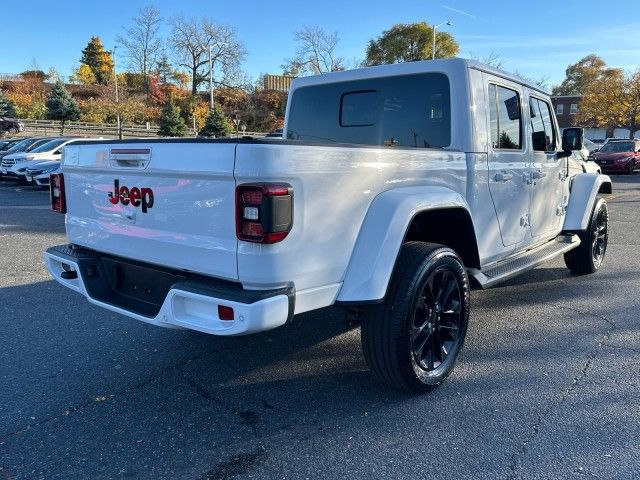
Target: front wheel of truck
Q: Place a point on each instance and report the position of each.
(412, 339)
(588, 256)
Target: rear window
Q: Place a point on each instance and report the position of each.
(407, 111)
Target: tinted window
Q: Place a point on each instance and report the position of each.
(542, 130)
(405, 111)
(504, 118)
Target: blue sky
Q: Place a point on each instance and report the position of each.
(537, 42)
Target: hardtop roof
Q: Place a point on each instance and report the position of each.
(421, 66)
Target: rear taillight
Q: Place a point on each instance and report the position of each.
(56, 192)
(264, 212)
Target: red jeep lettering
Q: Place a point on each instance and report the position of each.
(135, 196)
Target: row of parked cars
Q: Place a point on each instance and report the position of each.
(32, 159)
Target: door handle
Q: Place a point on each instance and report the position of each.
(137, 158)
(502, 177)
(537, 174)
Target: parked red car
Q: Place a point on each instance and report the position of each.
(619, 156)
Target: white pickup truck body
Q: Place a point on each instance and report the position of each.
(353, 205)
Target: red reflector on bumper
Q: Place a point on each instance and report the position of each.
(225, 313)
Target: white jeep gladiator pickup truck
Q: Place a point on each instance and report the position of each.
(393, 189)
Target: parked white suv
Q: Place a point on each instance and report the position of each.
(16, 164)
(393, 189)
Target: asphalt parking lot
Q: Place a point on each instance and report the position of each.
(547, 385)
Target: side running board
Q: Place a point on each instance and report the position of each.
(506, 269)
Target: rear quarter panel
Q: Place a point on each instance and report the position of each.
(333, 190)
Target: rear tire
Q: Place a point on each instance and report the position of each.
(588, 256)
(13, 130)
(412, 340)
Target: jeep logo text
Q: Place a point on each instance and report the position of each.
(135, 196)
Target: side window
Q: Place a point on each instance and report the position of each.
(504, 118)
(543, 136)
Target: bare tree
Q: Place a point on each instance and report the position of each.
(542, 82)
(316, 53)
(191, 40)
(142, 42)
(493, 59)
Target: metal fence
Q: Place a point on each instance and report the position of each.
(52, 127)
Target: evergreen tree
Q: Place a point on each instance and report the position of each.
(99, 60)
(171, 123)
(7, 108)
(163, 68)
(216, 125)
(61, 106)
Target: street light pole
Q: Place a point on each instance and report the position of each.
(216, 44)
(115, 75)
(211, 76)
(433, 46)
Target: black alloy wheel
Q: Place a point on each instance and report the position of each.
(437, 321)
(589, 255)
(600, 236)
(412, 339)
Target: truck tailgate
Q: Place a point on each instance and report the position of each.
(174, 205)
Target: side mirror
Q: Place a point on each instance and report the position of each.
(572, 139)
(595, 150)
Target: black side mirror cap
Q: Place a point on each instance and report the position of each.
(572, 139)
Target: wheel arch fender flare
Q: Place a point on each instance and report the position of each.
(585, 187)
(382, 233)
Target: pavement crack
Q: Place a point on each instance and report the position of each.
(621, 347)
(611, 323)
(102, 398)
(203, 392)
(240, 464)
(562, 397)
(248, 417)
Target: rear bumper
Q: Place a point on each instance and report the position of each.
(190, 302)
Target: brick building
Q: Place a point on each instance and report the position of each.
(567, 106)
(280, 83)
